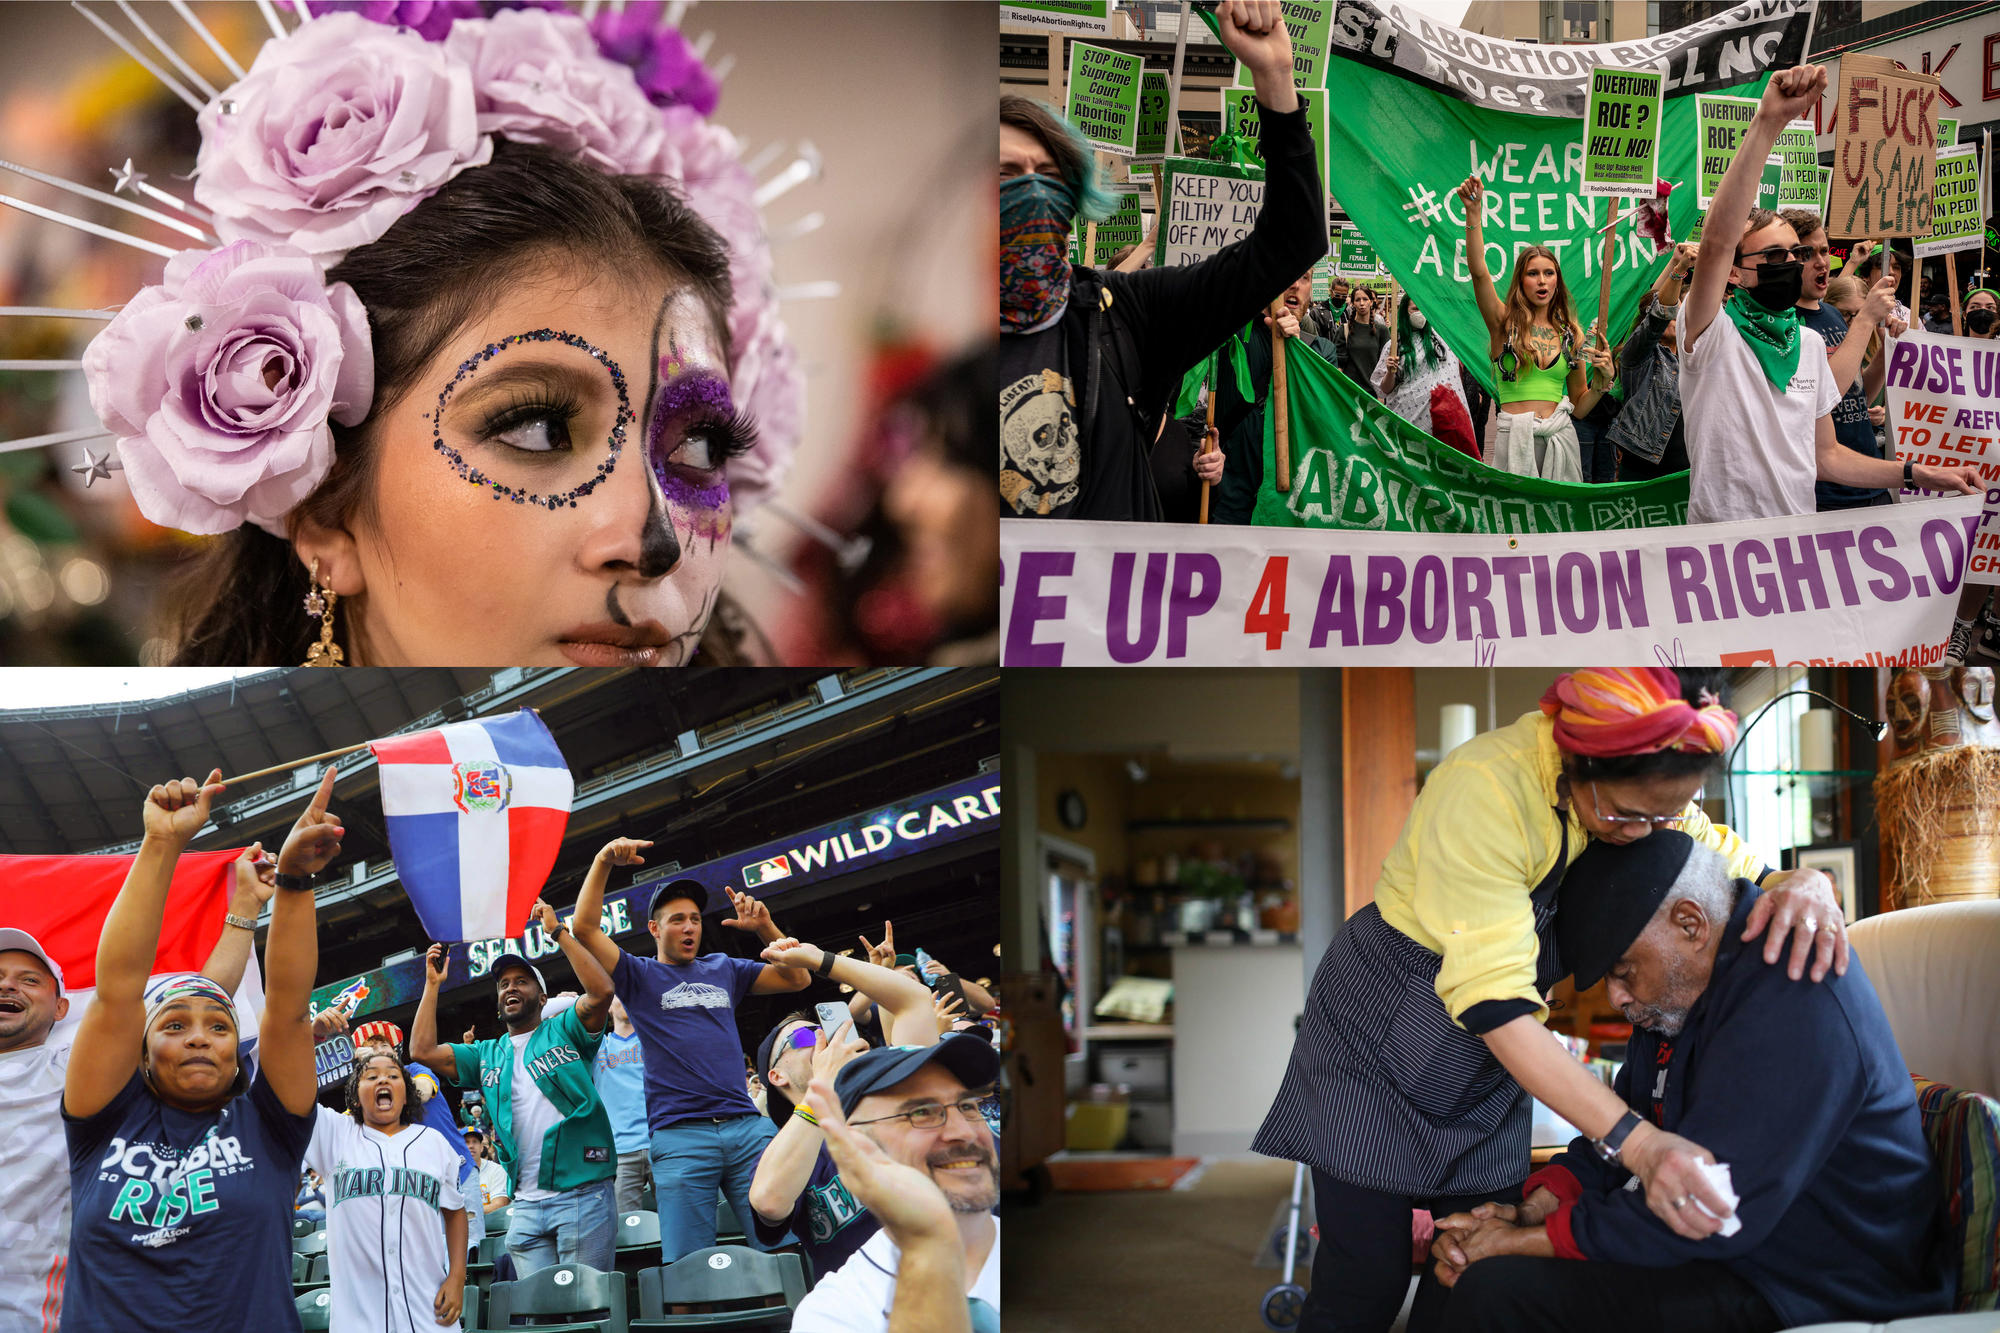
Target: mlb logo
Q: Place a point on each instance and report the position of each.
(778, 867)
(480, 786)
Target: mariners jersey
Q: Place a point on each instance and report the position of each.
(385, 1195)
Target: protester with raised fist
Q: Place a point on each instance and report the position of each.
(1090, 359)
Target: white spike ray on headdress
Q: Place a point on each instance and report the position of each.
(59, 437)
(184, 228)
(271, 17)
(55, 312)
(791, 231)
(187, 71)
(207, 37)
(850, 552)
(119, 40)
(809, 291)
(701, 44)
(786, 579)
(723, 66)
(130, 177)
(764, 156)
(589, 10)
(305, 14)
(165, 252)
(676, 11)
(805, 167)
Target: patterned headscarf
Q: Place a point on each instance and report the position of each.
(186, 986)
(1634, 710)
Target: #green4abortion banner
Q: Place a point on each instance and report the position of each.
(1355, 464)
(1421, 105)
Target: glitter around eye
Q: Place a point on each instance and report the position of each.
(566, 499)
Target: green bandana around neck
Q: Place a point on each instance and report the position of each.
(1773, 337)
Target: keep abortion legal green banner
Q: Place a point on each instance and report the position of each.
(1421, 106)
(1356, 464)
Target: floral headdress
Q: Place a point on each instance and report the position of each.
(219, 383)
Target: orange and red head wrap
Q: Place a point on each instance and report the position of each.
(1603, 711)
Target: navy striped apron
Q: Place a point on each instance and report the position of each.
(1383, 1090)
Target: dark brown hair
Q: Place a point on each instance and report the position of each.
(241, 602)
(1804, 221)
(413, 1105)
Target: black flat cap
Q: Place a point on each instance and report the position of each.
(1608, 896)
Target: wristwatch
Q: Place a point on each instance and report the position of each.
(1611, 1144)
(240, 922)
(1909, 472)
(825, 968)
(294, 883)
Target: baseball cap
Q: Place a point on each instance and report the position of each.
(777, 1102)
(974, 1062)
(678, 888)
(12, 939)
(507, 960)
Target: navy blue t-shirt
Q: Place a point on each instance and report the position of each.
(1850, 418)
(830, 1225)
(180, 1220)
(686, 1019)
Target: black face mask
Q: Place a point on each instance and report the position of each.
(1981, 321)
(1778, 285)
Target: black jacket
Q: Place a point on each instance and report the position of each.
(1132, 336)
(1240, 425)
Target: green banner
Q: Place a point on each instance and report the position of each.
(1309, 22)
(1956, 220)
(1151, 143)
(1719, 126)
(1798, 186)
(1354, 257)
(1355, 464)
(1621, 133)
(1104, 96)
(1769, 182)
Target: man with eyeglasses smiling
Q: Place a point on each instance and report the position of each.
(907, 1127)
(1757, 386)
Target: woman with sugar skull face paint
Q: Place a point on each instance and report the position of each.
(484, 372)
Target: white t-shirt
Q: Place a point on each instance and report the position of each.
(492, 1181)
(34, 1186)
(858, 1296)
(1751, 450)
(385, 1238)
(534, 1116)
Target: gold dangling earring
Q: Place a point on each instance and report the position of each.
(319, 602)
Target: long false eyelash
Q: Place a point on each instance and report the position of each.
(734, 436)
(523, 408)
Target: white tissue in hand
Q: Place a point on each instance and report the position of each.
(1717, 1175)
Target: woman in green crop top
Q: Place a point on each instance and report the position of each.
(1534, 342)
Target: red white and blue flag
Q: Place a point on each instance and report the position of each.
(476, 813)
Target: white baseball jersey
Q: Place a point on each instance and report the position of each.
(385, 1238)
(34, 1205)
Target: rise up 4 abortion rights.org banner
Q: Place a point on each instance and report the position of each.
(1944, 407)
(1879, 583)
(1512, 113)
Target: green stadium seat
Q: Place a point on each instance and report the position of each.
(316, 1310)
(725, 1287)
(583, 1299)
(313, 1242)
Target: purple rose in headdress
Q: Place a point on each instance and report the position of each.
(432, 19)
(220, 381)
(668, 70)
(337, 131)
(538, 78)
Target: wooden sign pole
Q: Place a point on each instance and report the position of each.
(1603, 327)
(1951, 285)
(1278, 398)
(1208, 435)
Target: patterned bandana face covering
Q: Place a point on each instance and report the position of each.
(1035, 217)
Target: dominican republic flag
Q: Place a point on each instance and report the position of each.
(476, 813)
(62, 901)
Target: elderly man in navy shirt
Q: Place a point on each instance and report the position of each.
(1798, 1088)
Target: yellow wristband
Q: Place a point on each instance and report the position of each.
(804, 1112)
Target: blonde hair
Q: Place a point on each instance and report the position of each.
(1520, 315)
(1846, 287)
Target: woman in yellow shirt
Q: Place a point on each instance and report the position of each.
(1422, 1041)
